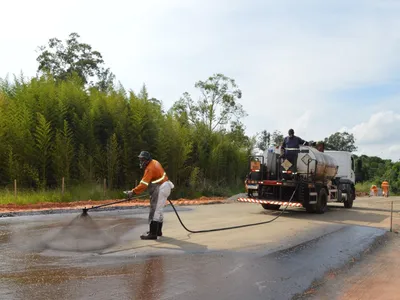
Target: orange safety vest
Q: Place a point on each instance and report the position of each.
(154, 173)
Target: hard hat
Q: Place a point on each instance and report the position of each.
(144, 159)
(144, 154)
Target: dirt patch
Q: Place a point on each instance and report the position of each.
(375, 276)
(9, 208)
(379, 278)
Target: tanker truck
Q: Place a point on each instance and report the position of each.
(311, 181)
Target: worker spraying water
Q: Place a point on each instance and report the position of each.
(156, 180)
(83, 234)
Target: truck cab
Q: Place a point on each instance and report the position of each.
(345, 178)
(346, 163)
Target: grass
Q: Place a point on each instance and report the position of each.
(95, 192)
(363, 186)
(86, 192)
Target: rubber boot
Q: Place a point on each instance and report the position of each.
(152, 234)
(159, 232)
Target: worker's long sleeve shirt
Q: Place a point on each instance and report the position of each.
(293, 142)
(154, 173)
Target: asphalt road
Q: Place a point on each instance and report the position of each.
(279, 260)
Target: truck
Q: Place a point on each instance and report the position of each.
(311, 180)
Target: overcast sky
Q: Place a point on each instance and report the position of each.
(315, 66)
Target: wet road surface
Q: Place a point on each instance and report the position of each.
(273, 261)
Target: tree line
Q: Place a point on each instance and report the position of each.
(71, 120)
(52, 129)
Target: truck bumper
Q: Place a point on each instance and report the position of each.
(258, 201)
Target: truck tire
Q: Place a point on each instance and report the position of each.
(270, 206)
(349, 201)
(322, 201)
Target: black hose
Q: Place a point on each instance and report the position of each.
(200, 231)
(232, 227)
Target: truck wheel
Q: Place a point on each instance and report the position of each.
(322, 202)
(349, 202)
(270, 206)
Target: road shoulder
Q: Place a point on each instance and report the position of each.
(374, 275)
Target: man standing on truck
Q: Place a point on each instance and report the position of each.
(291, 146)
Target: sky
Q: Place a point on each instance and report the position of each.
(315, 66)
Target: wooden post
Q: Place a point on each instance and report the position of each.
(15, 188)
(391, 217)
(104, 188)
(62, 186)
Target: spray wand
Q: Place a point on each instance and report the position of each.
(85, 210)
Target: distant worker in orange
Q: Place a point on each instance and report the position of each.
(385, 188)
(374, 190)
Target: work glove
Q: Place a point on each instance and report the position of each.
(129, 194)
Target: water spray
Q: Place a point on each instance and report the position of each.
(83, 234)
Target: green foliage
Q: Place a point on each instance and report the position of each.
(43, 145)
(54, 128)
(218, 103)
(113, 154)
(264, 140)
(277, 138)
(340, 141)
(375, 170)
(194, 179)
(63, 152)
(74, 57)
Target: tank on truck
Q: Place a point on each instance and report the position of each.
(308, 168)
